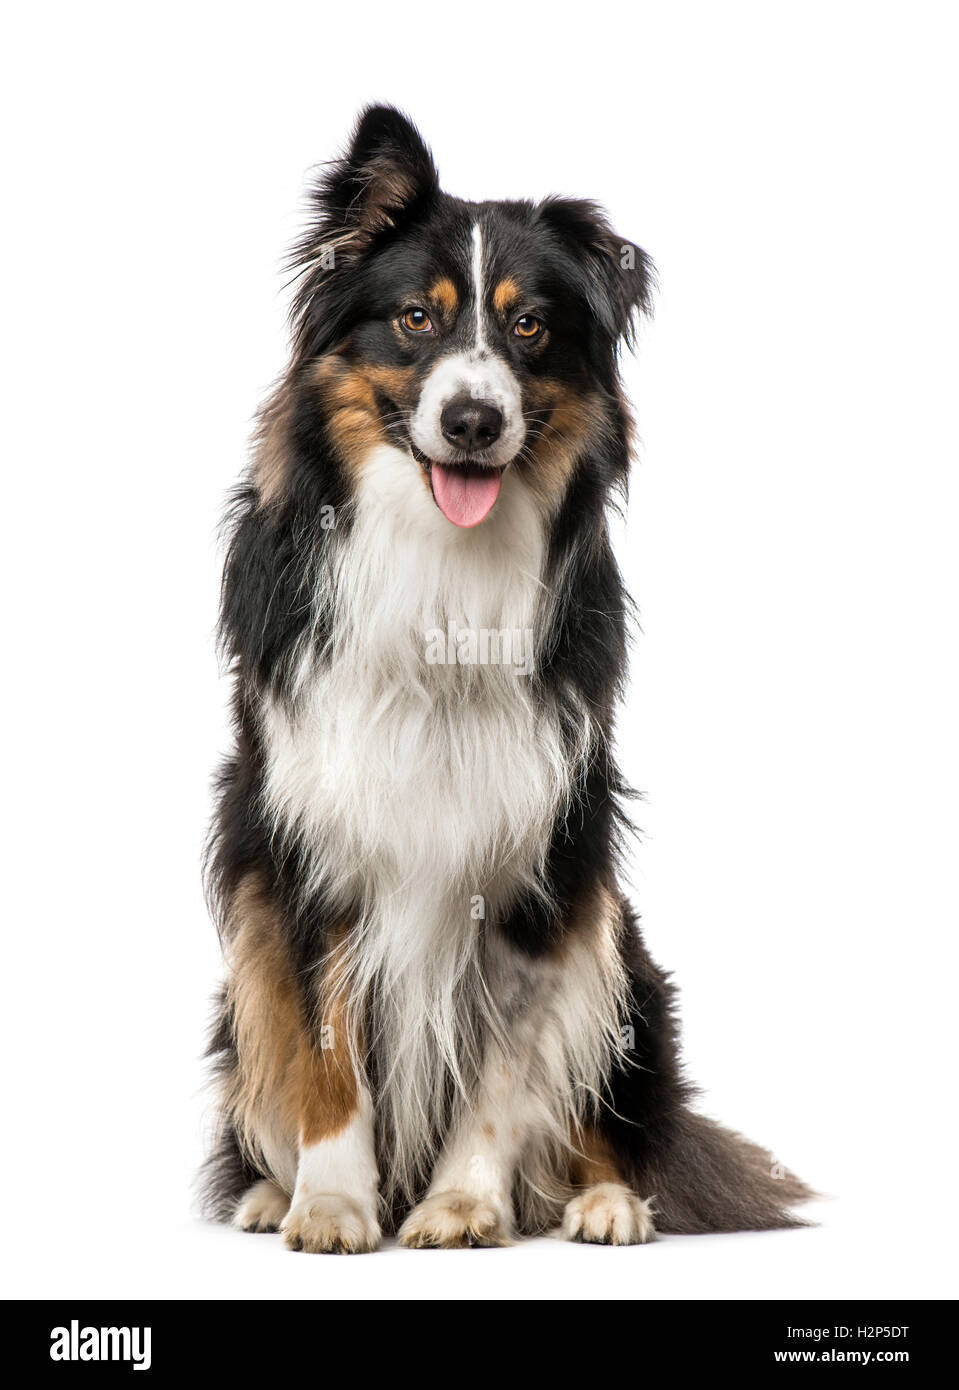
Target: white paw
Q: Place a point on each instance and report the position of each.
(263, 1208)
(608, 1214)
(330, 1224)
(451, 1220)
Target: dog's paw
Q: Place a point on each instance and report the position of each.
(262, 1208)
(330, 1224)
(452, 1221)
(608, 1214)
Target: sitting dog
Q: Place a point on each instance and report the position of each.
(440, 1017)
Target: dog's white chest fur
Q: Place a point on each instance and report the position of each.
(405, 775)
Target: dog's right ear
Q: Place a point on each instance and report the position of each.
(386, 176)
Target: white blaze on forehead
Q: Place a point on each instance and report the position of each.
(478, 286)
(479, 373)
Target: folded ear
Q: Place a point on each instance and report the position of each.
(618, 278)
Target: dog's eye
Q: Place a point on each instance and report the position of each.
(527, 326)
(417, 321)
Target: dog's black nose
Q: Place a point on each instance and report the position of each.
(469, 424)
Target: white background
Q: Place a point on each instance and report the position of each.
(791, 541)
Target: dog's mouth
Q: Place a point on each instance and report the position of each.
(464, 492)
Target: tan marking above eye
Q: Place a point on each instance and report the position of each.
(445, 295)
(506, 296)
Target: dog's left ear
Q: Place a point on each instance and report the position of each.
(619, 278)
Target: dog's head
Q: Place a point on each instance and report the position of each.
(476, 337)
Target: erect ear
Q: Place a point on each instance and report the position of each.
(618, 278)
(385, 175)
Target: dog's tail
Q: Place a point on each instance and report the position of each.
(708, 1178)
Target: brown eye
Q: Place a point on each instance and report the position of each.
(417, 321)
(527, 326)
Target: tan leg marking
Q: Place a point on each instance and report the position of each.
(283, 1083)
(298, 1105)
(592, 1159)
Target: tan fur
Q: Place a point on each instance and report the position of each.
(331, 1093)
(592, 1160)
(444, 293)
(271, 449)
(348, 391)
(352, 417)
(284, 1088)
(506, 296)
(389, 188)
(574, 418)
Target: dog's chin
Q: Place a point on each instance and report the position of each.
(465, 491)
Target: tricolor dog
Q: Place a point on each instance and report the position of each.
(439, 1017)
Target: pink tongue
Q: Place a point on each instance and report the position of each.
(465, 495)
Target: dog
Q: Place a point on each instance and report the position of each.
(439, 1017)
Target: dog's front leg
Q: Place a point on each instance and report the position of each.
(334, 1205)
(297, 1093)
(469, 1201)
